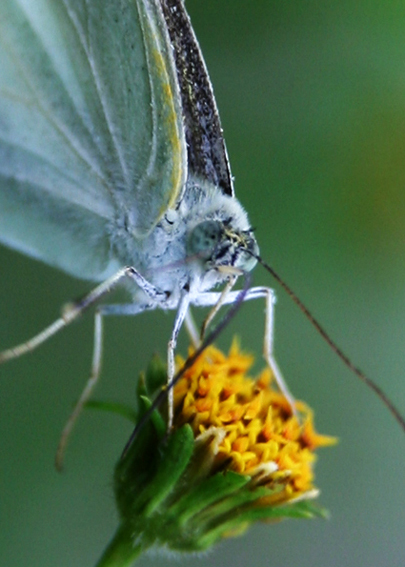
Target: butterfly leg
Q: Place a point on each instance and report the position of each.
(213, 298)
(85, 395)
(195, 336)
(126, 309)
(178, 322)
(70, 313)
(73, 310)
(104, 310)
(268, 350)
(192, 330)
(217, 305)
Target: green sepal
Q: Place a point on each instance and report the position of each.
(305, 509)
(221, 510)
(141, 386)
(175, 457)
(206, 493)
(239, 520)
(155, 417)
(139, 464)
(224, 516)
(257, 512)
(156, 375)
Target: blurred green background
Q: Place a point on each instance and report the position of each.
(312, 101)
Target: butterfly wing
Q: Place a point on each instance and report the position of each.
(206, 150)
(91, 134)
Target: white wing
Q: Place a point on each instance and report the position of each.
(91, 134)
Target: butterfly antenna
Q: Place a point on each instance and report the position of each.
(209, 339)
(345, 359)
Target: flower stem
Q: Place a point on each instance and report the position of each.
(121, 551)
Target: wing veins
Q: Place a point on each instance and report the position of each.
(86, 48)
(40, 159)
(48, 115)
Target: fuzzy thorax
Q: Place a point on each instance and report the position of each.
(205, 231)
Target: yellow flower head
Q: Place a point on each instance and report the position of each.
(250, 423)
(236, 455)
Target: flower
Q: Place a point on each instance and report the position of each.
(254, 430)
(236, 454)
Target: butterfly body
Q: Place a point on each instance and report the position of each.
(106, 157)
(178, 254)
(113, 165)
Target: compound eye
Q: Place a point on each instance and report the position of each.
(204, 238)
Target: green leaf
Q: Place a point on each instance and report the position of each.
(113, 407)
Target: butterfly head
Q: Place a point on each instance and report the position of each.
(218, 243)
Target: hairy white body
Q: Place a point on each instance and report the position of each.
(113, 166)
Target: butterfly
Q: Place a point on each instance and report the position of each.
(113, 165)
(113, 168)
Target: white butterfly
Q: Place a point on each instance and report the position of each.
(112, 162)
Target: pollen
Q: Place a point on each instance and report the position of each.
(259, 435)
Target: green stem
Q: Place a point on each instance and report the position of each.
(121, 551)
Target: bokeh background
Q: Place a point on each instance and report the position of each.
(312, 101)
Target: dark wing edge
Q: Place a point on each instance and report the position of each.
(206, 150)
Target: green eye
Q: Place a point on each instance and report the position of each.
(204, 237)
